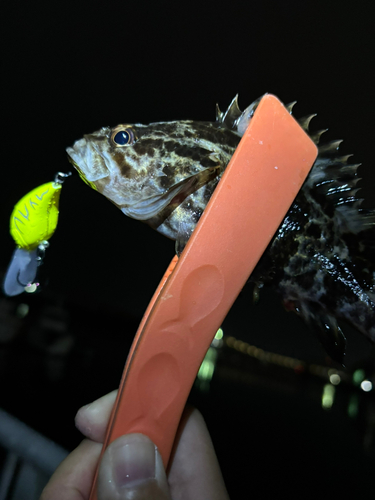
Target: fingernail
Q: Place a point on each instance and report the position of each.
(133, 462)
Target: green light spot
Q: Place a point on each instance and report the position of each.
(358, 376)
(219, 334)
(328, 396)
(22, 310)
(206, 370)
(207, 367)
(353, 406)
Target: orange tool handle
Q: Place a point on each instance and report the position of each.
(259, 185)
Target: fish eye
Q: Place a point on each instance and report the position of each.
(123, 136)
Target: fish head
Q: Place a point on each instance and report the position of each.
(142, 168)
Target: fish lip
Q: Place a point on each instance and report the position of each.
(77, 157)
(73, 157)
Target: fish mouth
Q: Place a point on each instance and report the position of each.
(81, 174)
(88, 161)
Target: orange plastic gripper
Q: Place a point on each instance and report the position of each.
(260, 183)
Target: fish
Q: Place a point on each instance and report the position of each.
(320, 260)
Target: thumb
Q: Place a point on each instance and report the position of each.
(132, 469)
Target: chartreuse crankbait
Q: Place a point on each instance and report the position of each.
(32, 223)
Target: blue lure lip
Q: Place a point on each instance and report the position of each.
(21, 272)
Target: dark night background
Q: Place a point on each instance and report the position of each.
(68, 70)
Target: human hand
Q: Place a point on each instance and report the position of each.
(132, 468)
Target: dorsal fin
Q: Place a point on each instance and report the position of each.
(332, 181)
(305, 121)
(231, 114)
(332, 178)
(315, 136)
(290, 106)
(234, 118)
(219, 114)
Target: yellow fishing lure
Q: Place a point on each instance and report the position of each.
(32, 223)
(35, 216)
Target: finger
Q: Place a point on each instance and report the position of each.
(73, 478)
(195, 472)
(92, 419)
(132, 469)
